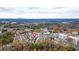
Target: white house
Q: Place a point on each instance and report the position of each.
(75, 40)
(0, 32)
(62, 36)
(75, 33)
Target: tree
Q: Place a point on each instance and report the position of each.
(18, 45)
(69, 47)
(6, 38)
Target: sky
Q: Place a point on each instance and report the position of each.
(39, 9)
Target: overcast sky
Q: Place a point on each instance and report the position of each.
(39, 9)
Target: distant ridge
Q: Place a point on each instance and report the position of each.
(21, 20)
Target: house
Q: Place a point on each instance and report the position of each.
(0, 32)
(45, 31)
(62, 36)
(74, 33)
(74, 40)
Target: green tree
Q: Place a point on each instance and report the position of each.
(6, 38)
(70, 47)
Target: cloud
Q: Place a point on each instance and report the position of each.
(39, 12)
(39, 3)
(31, 8)
(6, 10)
